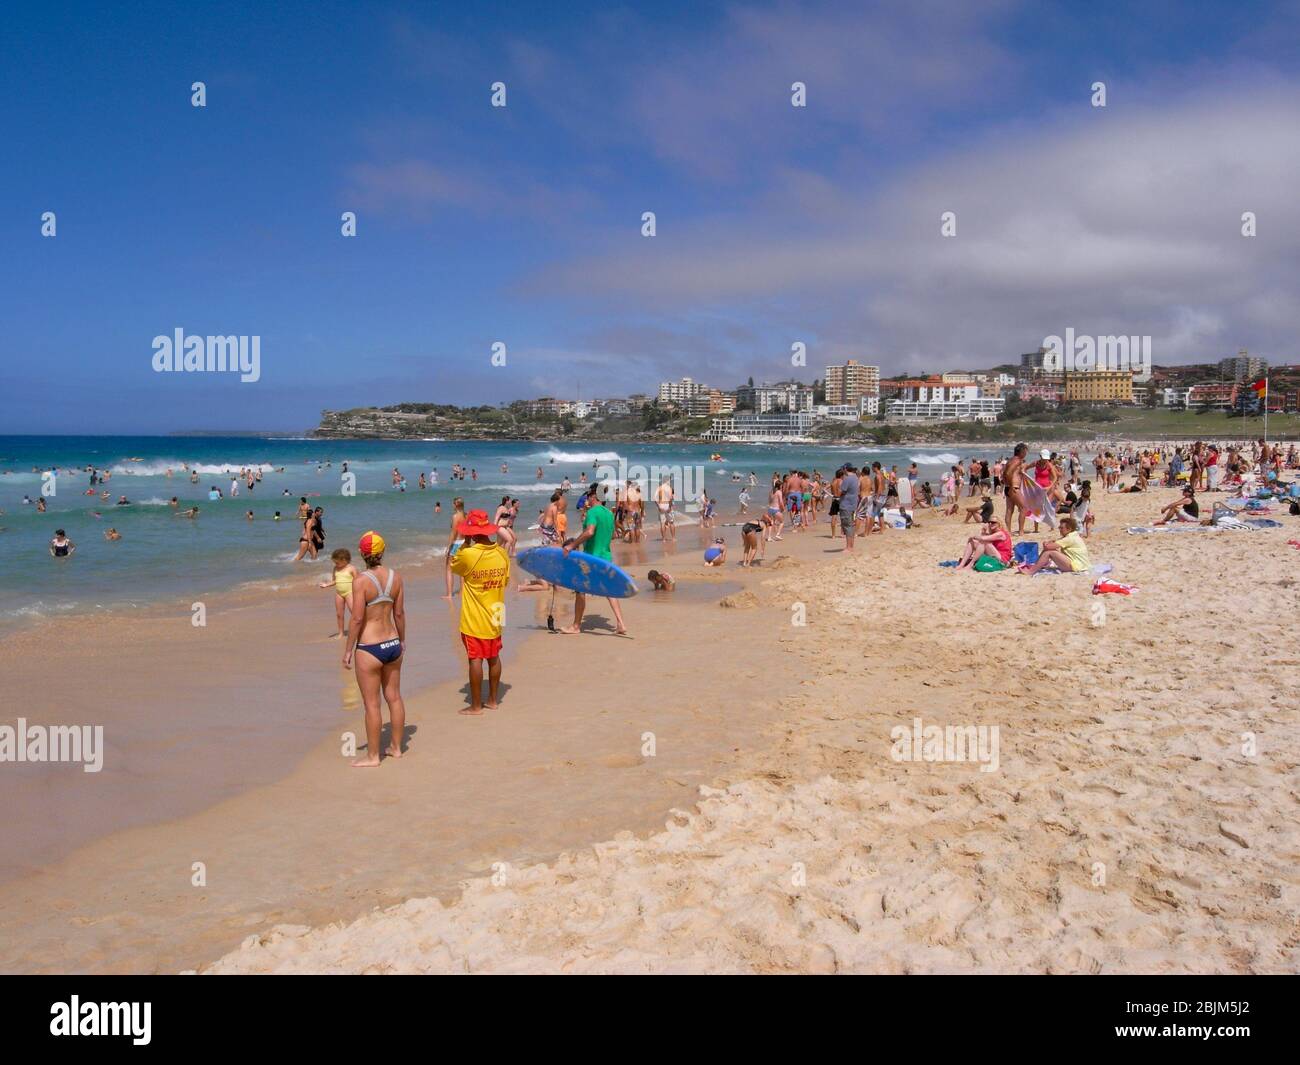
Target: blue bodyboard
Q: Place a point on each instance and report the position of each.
(578, 571)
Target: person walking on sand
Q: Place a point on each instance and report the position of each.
(597, 532)
(377, 638)
(341, 581)
(484, 570)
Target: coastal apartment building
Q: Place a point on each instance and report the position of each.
(866, 406)
(790, 396)
(711, 402)
(1049, 393)
(548, 405)
(680, 393)
(784, 427)
(976, 409)
(1243, 367)
(847, 383)
(1212, 396)
(931, 390)
(1099, 386)
(1040, 361)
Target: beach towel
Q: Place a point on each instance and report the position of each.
(1113, 587)
(1224, 525)
(1038, 507)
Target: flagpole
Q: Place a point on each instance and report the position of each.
(1266, 407)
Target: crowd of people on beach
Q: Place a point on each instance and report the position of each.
(1048, 489)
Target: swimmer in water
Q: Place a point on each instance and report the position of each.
(112, 534)
(60, 545)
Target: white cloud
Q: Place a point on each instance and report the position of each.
(1122, 220)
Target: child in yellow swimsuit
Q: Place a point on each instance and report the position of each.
(344, 574)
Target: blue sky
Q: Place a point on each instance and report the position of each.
(522, 224)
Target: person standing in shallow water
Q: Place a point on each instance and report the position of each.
(375, 646)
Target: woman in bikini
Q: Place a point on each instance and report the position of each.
(503, 521)
(457, 516)
(377, 635)
(307, 541)
(1011, 476)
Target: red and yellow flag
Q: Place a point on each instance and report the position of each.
(1260, 388)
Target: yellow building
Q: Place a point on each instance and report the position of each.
(1099, 386)
(848, 383)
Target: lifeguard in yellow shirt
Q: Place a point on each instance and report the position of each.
(484, 570)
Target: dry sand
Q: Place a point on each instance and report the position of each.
(1129, 827)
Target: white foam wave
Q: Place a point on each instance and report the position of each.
(944, 458)
(577, 456)
(159, 468)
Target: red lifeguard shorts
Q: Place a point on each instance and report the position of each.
(480, 648)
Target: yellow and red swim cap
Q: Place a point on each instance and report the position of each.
(371, 545)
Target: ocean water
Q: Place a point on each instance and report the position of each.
(162, 556)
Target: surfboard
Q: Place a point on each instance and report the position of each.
(578, 571)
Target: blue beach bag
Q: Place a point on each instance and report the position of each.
(1026, 552)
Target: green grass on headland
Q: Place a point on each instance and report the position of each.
(1125, 423)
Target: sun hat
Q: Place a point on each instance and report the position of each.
(371, 545)
(1045, 454)
(476, 524)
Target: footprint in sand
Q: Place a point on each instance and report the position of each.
(621, 761)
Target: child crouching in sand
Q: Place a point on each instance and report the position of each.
(344, 574)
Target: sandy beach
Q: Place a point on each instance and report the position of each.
(1125, 830)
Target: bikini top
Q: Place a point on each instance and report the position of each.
(383, 596)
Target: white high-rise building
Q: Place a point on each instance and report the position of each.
(681, 392)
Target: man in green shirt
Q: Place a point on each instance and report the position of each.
(597, 532)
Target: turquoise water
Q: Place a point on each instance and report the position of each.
(162, 556)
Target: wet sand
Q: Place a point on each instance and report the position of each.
(286, 831)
